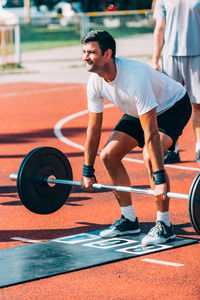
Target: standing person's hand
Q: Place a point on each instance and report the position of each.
(156, 66)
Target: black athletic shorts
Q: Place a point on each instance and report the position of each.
(171, 122)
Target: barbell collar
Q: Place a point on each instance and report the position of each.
(13, 177)
(99, 186)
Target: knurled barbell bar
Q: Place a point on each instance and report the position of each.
(45, 179)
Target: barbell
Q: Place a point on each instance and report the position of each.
(45, 179)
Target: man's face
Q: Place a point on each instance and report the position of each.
(93, 58)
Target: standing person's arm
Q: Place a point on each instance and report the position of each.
(153, 4)
(158, 42)
(91, 148)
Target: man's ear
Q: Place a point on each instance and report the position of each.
(108, 53)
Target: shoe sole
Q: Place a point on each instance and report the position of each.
(119, 233)
(157, 243)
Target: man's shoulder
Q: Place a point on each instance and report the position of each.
(93, 77)
(94, 82)
(130, 65)
(127, 62)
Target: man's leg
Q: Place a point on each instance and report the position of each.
(163, 229)
(196, 126)
(192, 81)
(117, 147)
(170, 67)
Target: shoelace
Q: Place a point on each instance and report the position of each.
(118, 222)
(157, 229)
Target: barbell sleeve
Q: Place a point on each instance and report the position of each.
(99, 186)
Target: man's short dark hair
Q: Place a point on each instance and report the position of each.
(104, 39)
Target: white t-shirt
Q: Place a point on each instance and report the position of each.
(136, 89)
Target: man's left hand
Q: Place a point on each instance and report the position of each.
(160, 191)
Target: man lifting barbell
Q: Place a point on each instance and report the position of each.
(156, 110)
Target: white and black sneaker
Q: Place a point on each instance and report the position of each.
(171, 157)
(159, 234)
(121, 226)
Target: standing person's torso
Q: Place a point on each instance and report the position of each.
(182, 30)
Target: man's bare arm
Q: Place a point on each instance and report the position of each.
(158, 42)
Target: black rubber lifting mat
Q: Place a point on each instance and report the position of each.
(44, 259)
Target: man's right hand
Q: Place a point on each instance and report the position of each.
(156, 66)
(86, 183)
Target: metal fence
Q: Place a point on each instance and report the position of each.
(118, 23)
(9, 45)
(70, 29)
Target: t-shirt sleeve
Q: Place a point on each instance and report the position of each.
(95, 99)
(143, 96)
(159, 10)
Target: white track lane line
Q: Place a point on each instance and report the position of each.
(62, 138)
(162, 262)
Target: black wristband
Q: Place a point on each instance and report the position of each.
(159, 177)
(88, 171)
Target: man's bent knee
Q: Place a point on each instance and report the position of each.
(109, 160)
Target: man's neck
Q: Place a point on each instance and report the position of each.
(109, 73)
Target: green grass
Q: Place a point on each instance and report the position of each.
(42, 45)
